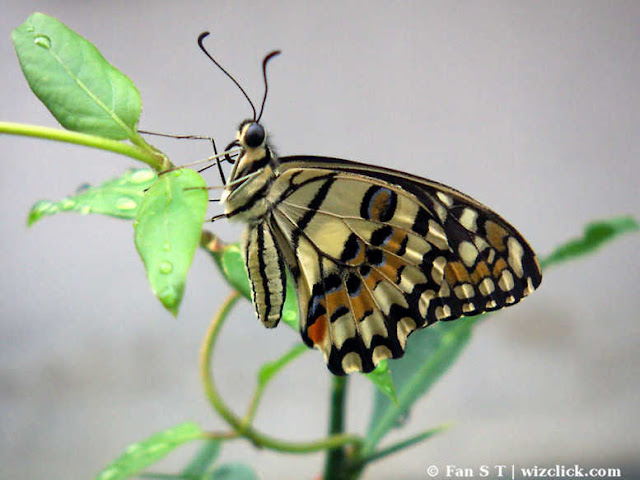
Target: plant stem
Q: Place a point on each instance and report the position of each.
(148, 155)
(335, 463)
(259, 439)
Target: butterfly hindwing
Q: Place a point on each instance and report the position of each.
(377, 254)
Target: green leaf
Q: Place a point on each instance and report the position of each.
(431, 352)
(119, 197)
(595, 235)
(382, 379)
(167, 232)
(402, 445)
(74, 81)
(270, 369)
(231, 263)
(140, 455)
(205, 457)
(233, 471)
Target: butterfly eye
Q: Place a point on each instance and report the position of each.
(254, 135)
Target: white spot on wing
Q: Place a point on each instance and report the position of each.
(444, 198)
(468, 253)
(516, 253)
(468, 219)
(506, 281)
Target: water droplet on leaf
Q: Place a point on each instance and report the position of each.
(168, 297)
(44, 206)
(166, 247)
(177, 173)
(85, 209)
(67, 204)
(42, 41)
(126, 203)
(142, 176)
(166, 267)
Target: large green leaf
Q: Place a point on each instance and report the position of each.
(70, 76)
(119, 197)
(140, 455)
(167, 232)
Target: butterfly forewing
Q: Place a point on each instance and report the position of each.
(377, 254)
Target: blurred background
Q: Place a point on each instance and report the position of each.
(531, 107)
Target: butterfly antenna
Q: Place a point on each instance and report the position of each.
(201, 38)
(269, 56)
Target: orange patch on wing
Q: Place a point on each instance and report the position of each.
(336, 300)
(495, 235)
(498, 267)
(394, 242)
(456, 272)
(390, 269)
(361, 305)
(481, 271)
(318, 331)
(379, 203)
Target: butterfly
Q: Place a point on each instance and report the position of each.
(375, 253)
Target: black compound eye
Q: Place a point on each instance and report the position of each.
(254, 136)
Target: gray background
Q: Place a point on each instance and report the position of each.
(531, 107)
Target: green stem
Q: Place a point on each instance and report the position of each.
(146, 154)
(259, 439)
(334, 465)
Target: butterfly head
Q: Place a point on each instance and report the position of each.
(255, 167)
(251, 136)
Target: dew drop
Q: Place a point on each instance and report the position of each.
(177, 173)
(44, 206)
(166, 267)
(30, 29)
(126, 203)
(166, 247)
(42, 41)
(67, 204)
(143, 175)
(85, 209)
(169, 296)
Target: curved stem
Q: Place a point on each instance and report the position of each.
(259, 439)
(141, 151)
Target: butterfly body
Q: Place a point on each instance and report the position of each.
(375, 253)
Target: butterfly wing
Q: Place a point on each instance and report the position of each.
(377, 254)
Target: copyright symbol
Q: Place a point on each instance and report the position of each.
(432, 471)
